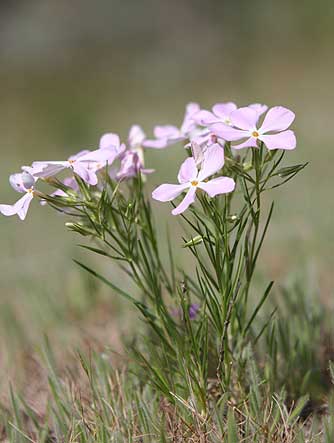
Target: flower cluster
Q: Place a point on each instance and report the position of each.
(204, 133)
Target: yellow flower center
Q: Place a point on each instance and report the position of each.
(194, 183)
(255, 134)
(30, 191)
(71, 162)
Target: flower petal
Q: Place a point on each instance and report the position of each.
(87, 175)
(283, 140)
(48, 169)
(23, 205)
(278, 118)
(130, 165)
(244, 118)
(259, 108)
(249, 143)
(79, 154)
(227, 132)
(197, 152)
(188, 171)
(213, 161)
(219, 185)
(159, 143)
(136, 136)
(147, 171)
(168, 192)
(166, 131)
(21, 182)
(20, 207)
(102, 155)
(8, 210)
(109, 140)
(186, 202)
(205, 118)
(188, 121)
(200, 137)
(223, 110)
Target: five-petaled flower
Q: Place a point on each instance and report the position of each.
(204, 132)
(132, 160)
(191, 179)
(168, 135)
(221, 113)
(86, 163)
(272, 132)
(24, 183)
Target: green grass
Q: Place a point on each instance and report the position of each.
(282, 389)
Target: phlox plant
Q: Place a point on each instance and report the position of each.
(199, 324)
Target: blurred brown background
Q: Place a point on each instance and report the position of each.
(70, 71)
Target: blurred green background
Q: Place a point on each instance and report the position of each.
(70, 71)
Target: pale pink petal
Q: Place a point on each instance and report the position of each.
(166, 131)
(213, 161)
(191, 109)
(24, 205)
(58, 193)
(277, 119)
(223, 110)
(250, 143)
(205, 118)
(219, 185)
(21, 182)
(188, 171)
(86, 174)
(109, 140)
(48, 169)
(79, 154)
(130, 165)
(8, 210)
(197, 152)
(71, 183)
(156, 144)
(260, 109)
(168, 192)
(244, 118)
(136, 136)
(16, 183)
(283, 140)
(20, 207)
(200, 137)
(188, 123)
(186, 202)
(228, 133)
(102, 155)
(162, 143)
(147, 171)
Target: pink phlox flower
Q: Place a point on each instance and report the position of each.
(136, 137)
(85, 163)
(111, 141)
(24, 183)
(272, 132)
(221, 113)
(200, 146)
(190, 179)
(132, 160)
(167, 135)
